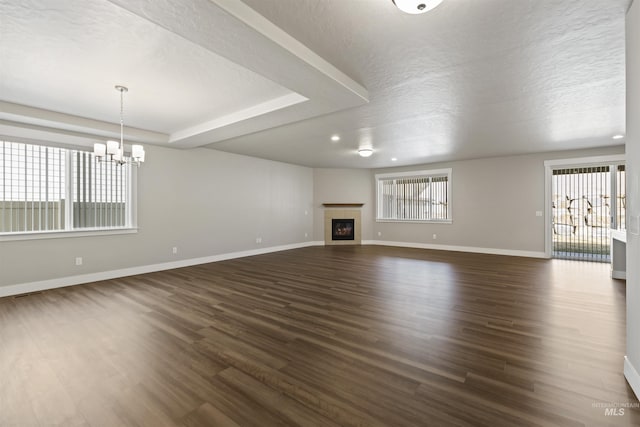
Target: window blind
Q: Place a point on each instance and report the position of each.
(419, 197)
(99, 192)
(32, 188)
(46, 189)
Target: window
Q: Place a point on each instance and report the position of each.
(421, 196)
(48, 189)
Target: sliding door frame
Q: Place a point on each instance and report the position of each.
(549, 166)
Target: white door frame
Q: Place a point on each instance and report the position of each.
(549, 165)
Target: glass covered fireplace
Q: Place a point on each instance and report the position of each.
(343, 229)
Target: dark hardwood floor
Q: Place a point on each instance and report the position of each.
(323, 336)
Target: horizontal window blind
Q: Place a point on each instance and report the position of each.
(414, 197)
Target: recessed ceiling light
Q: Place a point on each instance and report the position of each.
(365, 152)
(416, 6)
(394, 159)
(618, 136)
(335, 138)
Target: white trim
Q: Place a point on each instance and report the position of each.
(239, 116)
(472, 249)
(362, 243)
(272, 32)
(585, 161)
(549, 165)
(548, 214)
(433, 172)
(448, 172)
(418, 221)
(68, 230)
(132, 197)
(632, 376)
(617, 274)
(68, 183)
(70, 127)
(24, 288)
(61, 234)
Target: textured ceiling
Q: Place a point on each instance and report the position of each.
(55, 52)
(468, 79)
(197, 72)
(276, 78)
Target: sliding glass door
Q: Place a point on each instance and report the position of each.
(586, 203)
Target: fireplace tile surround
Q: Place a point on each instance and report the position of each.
(342, 211)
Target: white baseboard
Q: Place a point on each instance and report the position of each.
(632, 376)
(321, 243)
(616, 274)
(492, 251)
(25, 288)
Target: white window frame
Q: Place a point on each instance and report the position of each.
(415, 174)
(131, 220)
(549, 165)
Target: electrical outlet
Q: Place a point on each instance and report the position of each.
(306, 234)
(175, 250)
(379, 233)
(435, 236)
(306, 212)
(258, 239)
(79, 260)
(538, 213)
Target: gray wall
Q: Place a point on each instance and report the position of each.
(207, 203)
(494, 203)
(633, 188)
(204, 202)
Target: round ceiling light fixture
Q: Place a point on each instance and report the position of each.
(335, 138)
(415, 7)
(365, 152)
(618, 136)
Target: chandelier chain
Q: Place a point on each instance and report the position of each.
(122, 90)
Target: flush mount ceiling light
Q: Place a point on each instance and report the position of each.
(365, 152)
(618, 136)
(114, 150)
(416, 6)
(335, 138)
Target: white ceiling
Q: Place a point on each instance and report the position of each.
(276, 78)
(67, 57)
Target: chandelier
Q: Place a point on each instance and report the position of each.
(114, 150)
(416, 6)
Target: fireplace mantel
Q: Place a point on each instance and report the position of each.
(343, 205)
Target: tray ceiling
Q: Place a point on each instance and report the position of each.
(277, 78)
